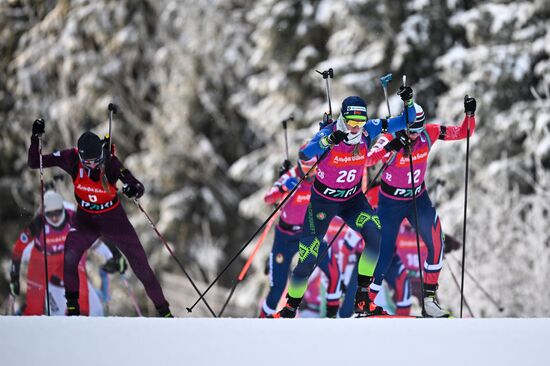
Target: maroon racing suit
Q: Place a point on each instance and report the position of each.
(99, 214)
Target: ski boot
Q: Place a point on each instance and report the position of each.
(364, 306)
(332, 311)
(431, 306)
(73, 309)
(263, 314)
(164, 311)
(289, 311)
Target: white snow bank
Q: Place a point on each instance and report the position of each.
(148, 341)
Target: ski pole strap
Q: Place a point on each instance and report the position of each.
(258, 245)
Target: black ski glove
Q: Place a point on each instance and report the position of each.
(400, 141)
(285, 167)
(336, 137)
(469, 105)
(405, 92)
(14, 279)
(131, 190)
(114, 265)
(38, 127)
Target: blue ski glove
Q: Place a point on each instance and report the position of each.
(291, 182)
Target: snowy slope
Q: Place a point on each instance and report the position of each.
(148, 341)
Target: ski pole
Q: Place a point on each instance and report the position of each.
(465, 212)
(284, 122)
(10, 310)
(481, 288)
(385, 80)
(43, 214)
(131, 293)
(113, 108)
(498, 305)
(455, 280)
(417, 224)
(243, 272)
(286, 163)
(243, 247)
(104, 291)
(173, 255)
(326, 75)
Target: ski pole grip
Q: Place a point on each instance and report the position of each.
(326, 73)
(385, 80)
(113, 107)
(286, 120)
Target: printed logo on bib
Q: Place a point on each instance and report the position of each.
(340, 159)
(419, 156)
(279, 258)
(340, 193)
(302, 199)
(91, 206)
(407, 192)
(58, 239)
(80, 187)
(406, 243)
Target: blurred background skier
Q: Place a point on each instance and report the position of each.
(287, 236)
(29, 248)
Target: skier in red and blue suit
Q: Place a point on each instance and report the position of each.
(336, 191)
(287, 235)
(403, 275)
(95, 172)
(396, 195)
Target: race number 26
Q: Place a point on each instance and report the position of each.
(346, 176)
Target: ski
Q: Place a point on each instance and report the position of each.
(362, 316)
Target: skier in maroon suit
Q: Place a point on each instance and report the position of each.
(95, 172)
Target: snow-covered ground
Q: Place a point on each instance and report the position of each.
(59, 341)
